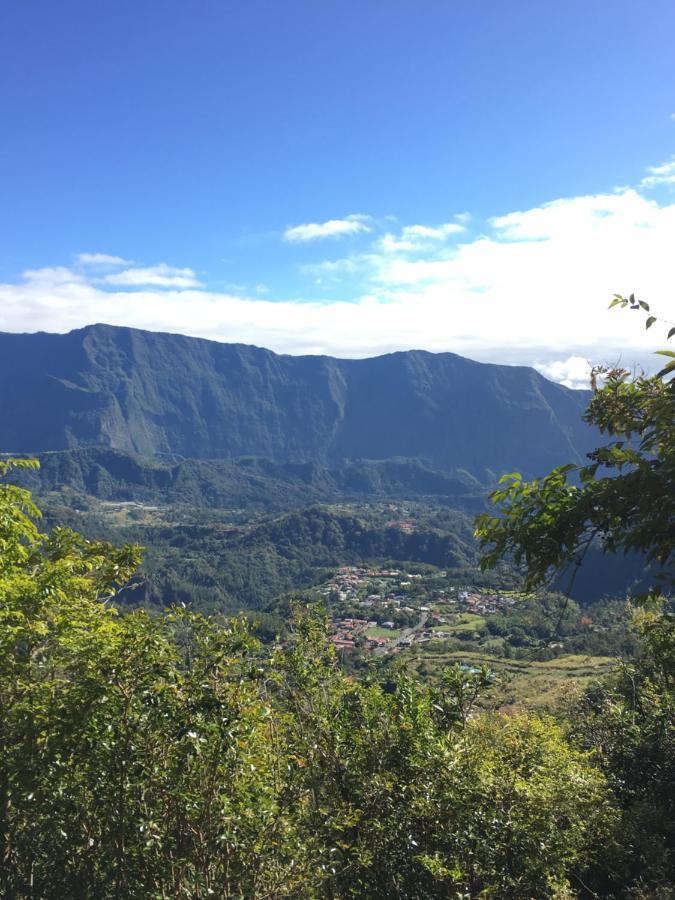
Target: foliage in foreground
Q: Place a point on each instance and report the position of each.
(624, 500)
(166, 756)
(629, 721)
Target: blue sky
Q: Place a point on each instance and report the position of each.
(189, 140)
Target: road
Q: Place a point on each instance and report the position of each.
(406, 633)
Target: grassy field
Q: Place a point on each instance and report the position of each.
(464, 622)
(520, 682)
(376, 631)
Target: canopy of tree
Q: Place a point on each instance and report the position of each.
(625, 501)
(171, 755)
(168, 755)
(625, 497)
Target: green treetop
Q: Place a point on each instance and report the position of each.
(622, 500)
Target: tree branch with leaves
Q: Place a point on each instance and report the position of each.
(623, 500)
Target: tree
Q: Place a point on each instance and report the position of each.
(622, 500)
(135, 753)
(628, 723)
(169, 755)
(400, 793)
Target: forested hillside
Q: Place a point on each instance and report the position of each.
(405, 725)
(152, 394)
(172, 755)
(249, 482)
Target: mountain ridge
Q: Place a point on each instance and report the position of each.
(154, 393)
(247, 482)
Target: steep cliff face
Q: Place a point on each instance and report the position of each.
(151, 393)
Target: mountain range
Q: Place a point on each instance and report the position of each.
(156, 394)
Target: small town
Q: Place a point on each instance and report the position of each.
(386, 610)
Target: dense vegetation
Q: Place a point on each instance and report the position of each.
(623, 502)
(157, 756)
(250, 482)
(218, 566)
(238, 559)
(170, 754)
(156, 394)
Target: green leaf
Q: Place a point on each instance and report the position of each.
(671, 332)
(644, 305)
(510, 476)
(650, 321)
(669, 368)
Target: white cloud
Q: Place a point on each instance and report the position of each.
(564, 219)
(101, 259)
(432, 233)
(160, 275)
(418, 238)
(53, 275)
(312, 231)
(390, 243)
(573, 372)
(532, 289)
(663, 174)
(338, 269)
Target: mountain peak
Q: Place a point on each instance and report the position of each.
(151, 393)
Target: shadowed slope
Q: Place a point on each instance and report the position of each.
(152, 393)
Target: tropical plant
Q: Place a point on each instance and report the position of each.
(169, 755)
(621, 500)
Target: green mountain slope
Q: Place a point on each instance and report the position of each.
(249, 482)
(153, 394)
(223, 567)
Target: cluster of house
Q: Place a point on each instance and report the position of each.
(387, 592)
(391, 590)
(387, 586)
(344, 633)
(484, 603)
(403, 524)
